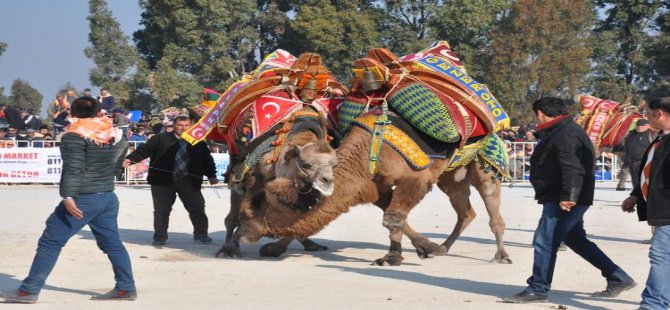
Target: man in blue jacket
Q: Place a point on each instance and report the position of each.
(651, 196)
(562, 174)
(92, 151)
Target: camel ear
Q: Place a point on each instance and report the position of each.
(293, 151)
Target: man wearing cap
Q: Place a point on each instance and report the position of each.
(636, 142)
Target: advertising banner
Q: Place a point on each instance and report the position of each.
(30, 165)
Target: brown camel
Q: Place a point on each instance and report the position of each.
(396, 188)
(307, 160)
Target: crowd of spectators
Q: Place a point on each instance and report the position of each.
(21, 127)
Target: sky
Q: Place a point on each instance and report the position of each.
(46, 41)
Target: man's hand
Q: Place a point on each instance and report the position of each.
(126, 163)
(628, 205)
(71, 207)
(567, 205)
(213, 181)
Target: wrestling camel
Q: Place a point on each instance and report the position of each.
(396, 188)
(307, 160)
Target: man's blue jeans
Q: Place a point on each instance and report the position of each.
(558, 226)
(656, 294)
(100, 214)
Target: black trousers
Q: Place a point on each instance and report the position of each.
(165, 196)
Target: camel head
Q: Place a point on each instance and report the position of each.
(312, 166)
(303, 178)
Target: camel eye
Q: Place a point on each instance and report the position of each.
(306, 166)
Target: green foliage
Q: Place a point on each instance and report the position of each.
(23, 95)
(113, 56)
(466, 25)
(541, 48)
(624, 40)
(202, 41)
(3, 99)
(340, 34)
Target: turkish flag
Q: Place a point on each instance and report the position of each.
(270, 110)
(329, 106)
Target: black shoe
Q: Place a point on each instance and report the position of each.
(19, 297)
(117, 295)
(204, 239)
(158, 243)
(613, 290)
(525, 297)
(621, 189)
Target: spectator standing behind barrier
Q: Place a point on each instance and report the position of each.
(31, 120)
(13, 117)
(92, 151)
(4, 141)
(651, 196)
(139, 135)
(57, 106)
(562, 174)
(636, 143)
(176, 167)
(106, 99)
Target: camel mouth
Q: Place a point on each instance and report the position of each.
(325, 189)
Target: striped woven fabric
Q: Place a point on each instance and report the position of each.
(348, 112)
(425, 110)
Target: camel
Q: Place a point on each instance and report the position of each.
(396, 188)
(306, 160)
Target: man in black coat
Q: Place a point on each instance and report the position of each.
(562, 174)
(636, 143)
(176, 168)
(651, 196)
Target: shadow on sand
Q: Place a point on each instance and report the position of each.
(570, 299)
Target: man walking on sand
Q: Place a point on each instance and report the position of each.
(562, 175)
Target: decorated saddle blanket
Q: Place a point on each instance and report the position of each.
(606, 122)
(416, 147)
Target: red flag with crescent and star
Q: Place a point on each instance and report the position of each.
(270, 110)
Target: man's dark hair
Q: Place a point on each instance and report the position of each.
(85, 107)
(550, 106)
(661, 103)
(182, 118)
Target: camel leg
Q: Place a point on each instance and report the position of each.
(490, 193)
(232, 247)
(459, 196)
(424, 247)
(276, 249)
(405, 197)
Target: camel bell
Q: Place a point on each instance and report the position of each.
(308, 92)
(369, 82)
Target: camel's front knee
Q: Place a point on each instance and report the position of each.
(394, 220)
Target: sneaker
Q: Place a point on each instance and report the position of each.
(158, 243)
(117, 295)
(525, 297)
(19, 297)
(204, 239)
(613, 290)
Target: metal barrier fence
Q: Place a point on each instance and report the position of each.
(607, 165)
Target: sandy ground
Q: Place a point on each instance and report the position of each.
(185, 275)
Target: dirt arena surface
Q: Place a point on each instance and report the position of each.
(185, 275)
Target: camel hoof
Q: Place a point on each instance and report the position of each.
(391, 259)
(228, 250)
(501, 259)
(427, 249)
(272, 250)
(312, 246)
